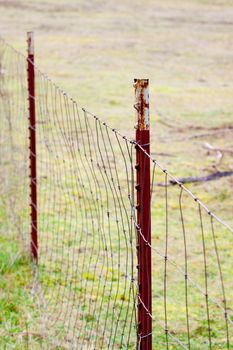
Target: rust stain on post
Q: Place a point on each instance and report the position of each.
(30, 43)
(142, 103)
(143, 208)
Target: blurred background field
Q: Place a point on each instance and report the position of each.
(95, 49)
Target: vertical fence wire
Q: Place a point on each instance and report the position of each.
(190, 306)
(14, 169)
(85, 230)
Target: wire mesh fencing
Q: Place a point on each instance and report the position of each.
(84, 283)
(86, 233)
(14, 161)
(84, 291)
(191, 283)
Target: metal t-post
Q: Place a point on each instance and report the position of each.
(32, 145)
(143, 214)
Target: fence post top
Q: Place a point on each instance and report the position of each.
(142, 103)
(30, 39)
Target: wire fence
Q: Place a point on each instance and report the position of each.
(85, 290)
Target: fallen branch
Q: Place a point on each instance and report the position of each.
(217, 149)
(219, 154)
(213, 133)
(192, 179)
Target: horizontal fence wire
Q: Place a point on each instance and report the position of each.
(84, 290)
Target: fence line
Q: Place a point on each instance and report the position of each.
(101, 225)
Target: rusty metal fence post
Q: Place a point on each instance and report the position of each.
(143, 214)
(32, 145)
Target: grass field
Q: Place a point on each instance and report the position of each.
(182, 46)
(94, 51)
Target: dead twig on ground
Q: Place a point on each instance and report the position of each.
(220, 152)
(191, 179)
(217, 149)
(212, 133)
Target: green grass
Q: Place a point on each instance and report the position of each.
(15, 300)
